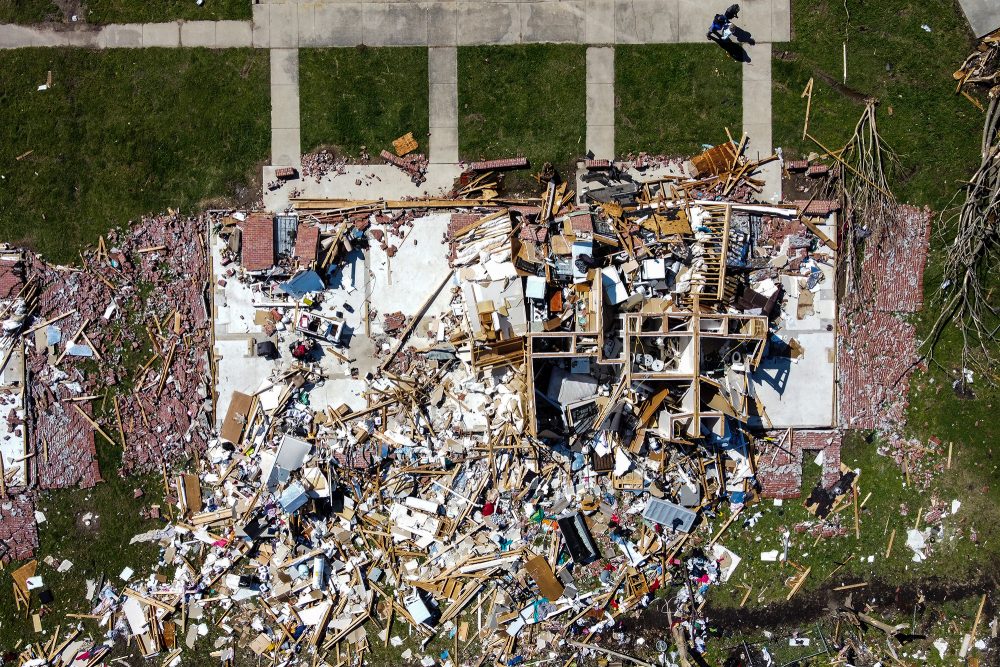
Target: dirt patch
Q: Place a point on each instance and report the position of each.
(846, 91)
(71, 8)
(811, 607)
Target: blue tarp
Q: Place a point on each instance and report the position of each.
(303, 283)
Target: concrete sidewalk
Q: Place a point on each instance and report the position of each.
(463, 22)
(757, 117)
(601, 102)
(174, 34)
(442, 74)
(286, 140)
(983, 15)
(434, 23)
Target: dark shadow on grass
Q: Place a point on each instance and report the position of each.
(735, 50)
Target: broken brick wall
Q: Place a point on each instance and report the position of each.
(779, 467)
(18, 531)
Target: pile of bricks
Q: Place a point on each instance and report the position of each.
(11, 276)
(317, 165)
(67, 455)
(505, 163)
(18, 531)
(875, 359)
(159, 296)
(821, 207)
(897, 263)
(414, 164)
(877, 348)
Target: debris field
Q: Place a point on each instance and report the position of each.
(472, 428)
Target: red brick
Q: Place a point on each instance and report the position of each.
(307, 243)
(506, 163)
(258, 242)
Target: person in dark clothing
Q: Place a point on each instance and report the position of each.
(720, 28)
(722, 23)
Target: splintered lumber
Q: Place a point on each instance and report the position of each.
(470, 592)
(413, 321)
(149, 601)
(848, 587)
(97, 427)
(50, 321)
(746, 596)
(607, 651)
(166, 368)
(814, 228)
(731, 518)
(798, 584)
(72, 340)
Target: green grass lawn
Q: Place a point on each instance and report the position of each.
(523, 101)
(123, 133)
(955, 558)
(672, 98)
(890, 57)
(28, 11)
(139, 11)
(356, 97)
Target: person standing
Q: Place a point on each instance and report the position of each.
(722, 23)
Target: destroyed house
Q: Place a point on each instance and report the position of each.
(644, 316)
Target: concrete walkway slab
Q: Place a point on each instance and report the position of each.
(233, 34)
(559, 21)
(442, 24)
(286, 141)
(261, 26)
(284, 29)
(337, 24)
(127, 35)
(646, 21)
(161, 34)
(983, 15)
(757, 117)
(489, 23)
(442, 74)
(781, 21)
(394, 24)
(601, 102)
(198, 33)
(600, 22)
